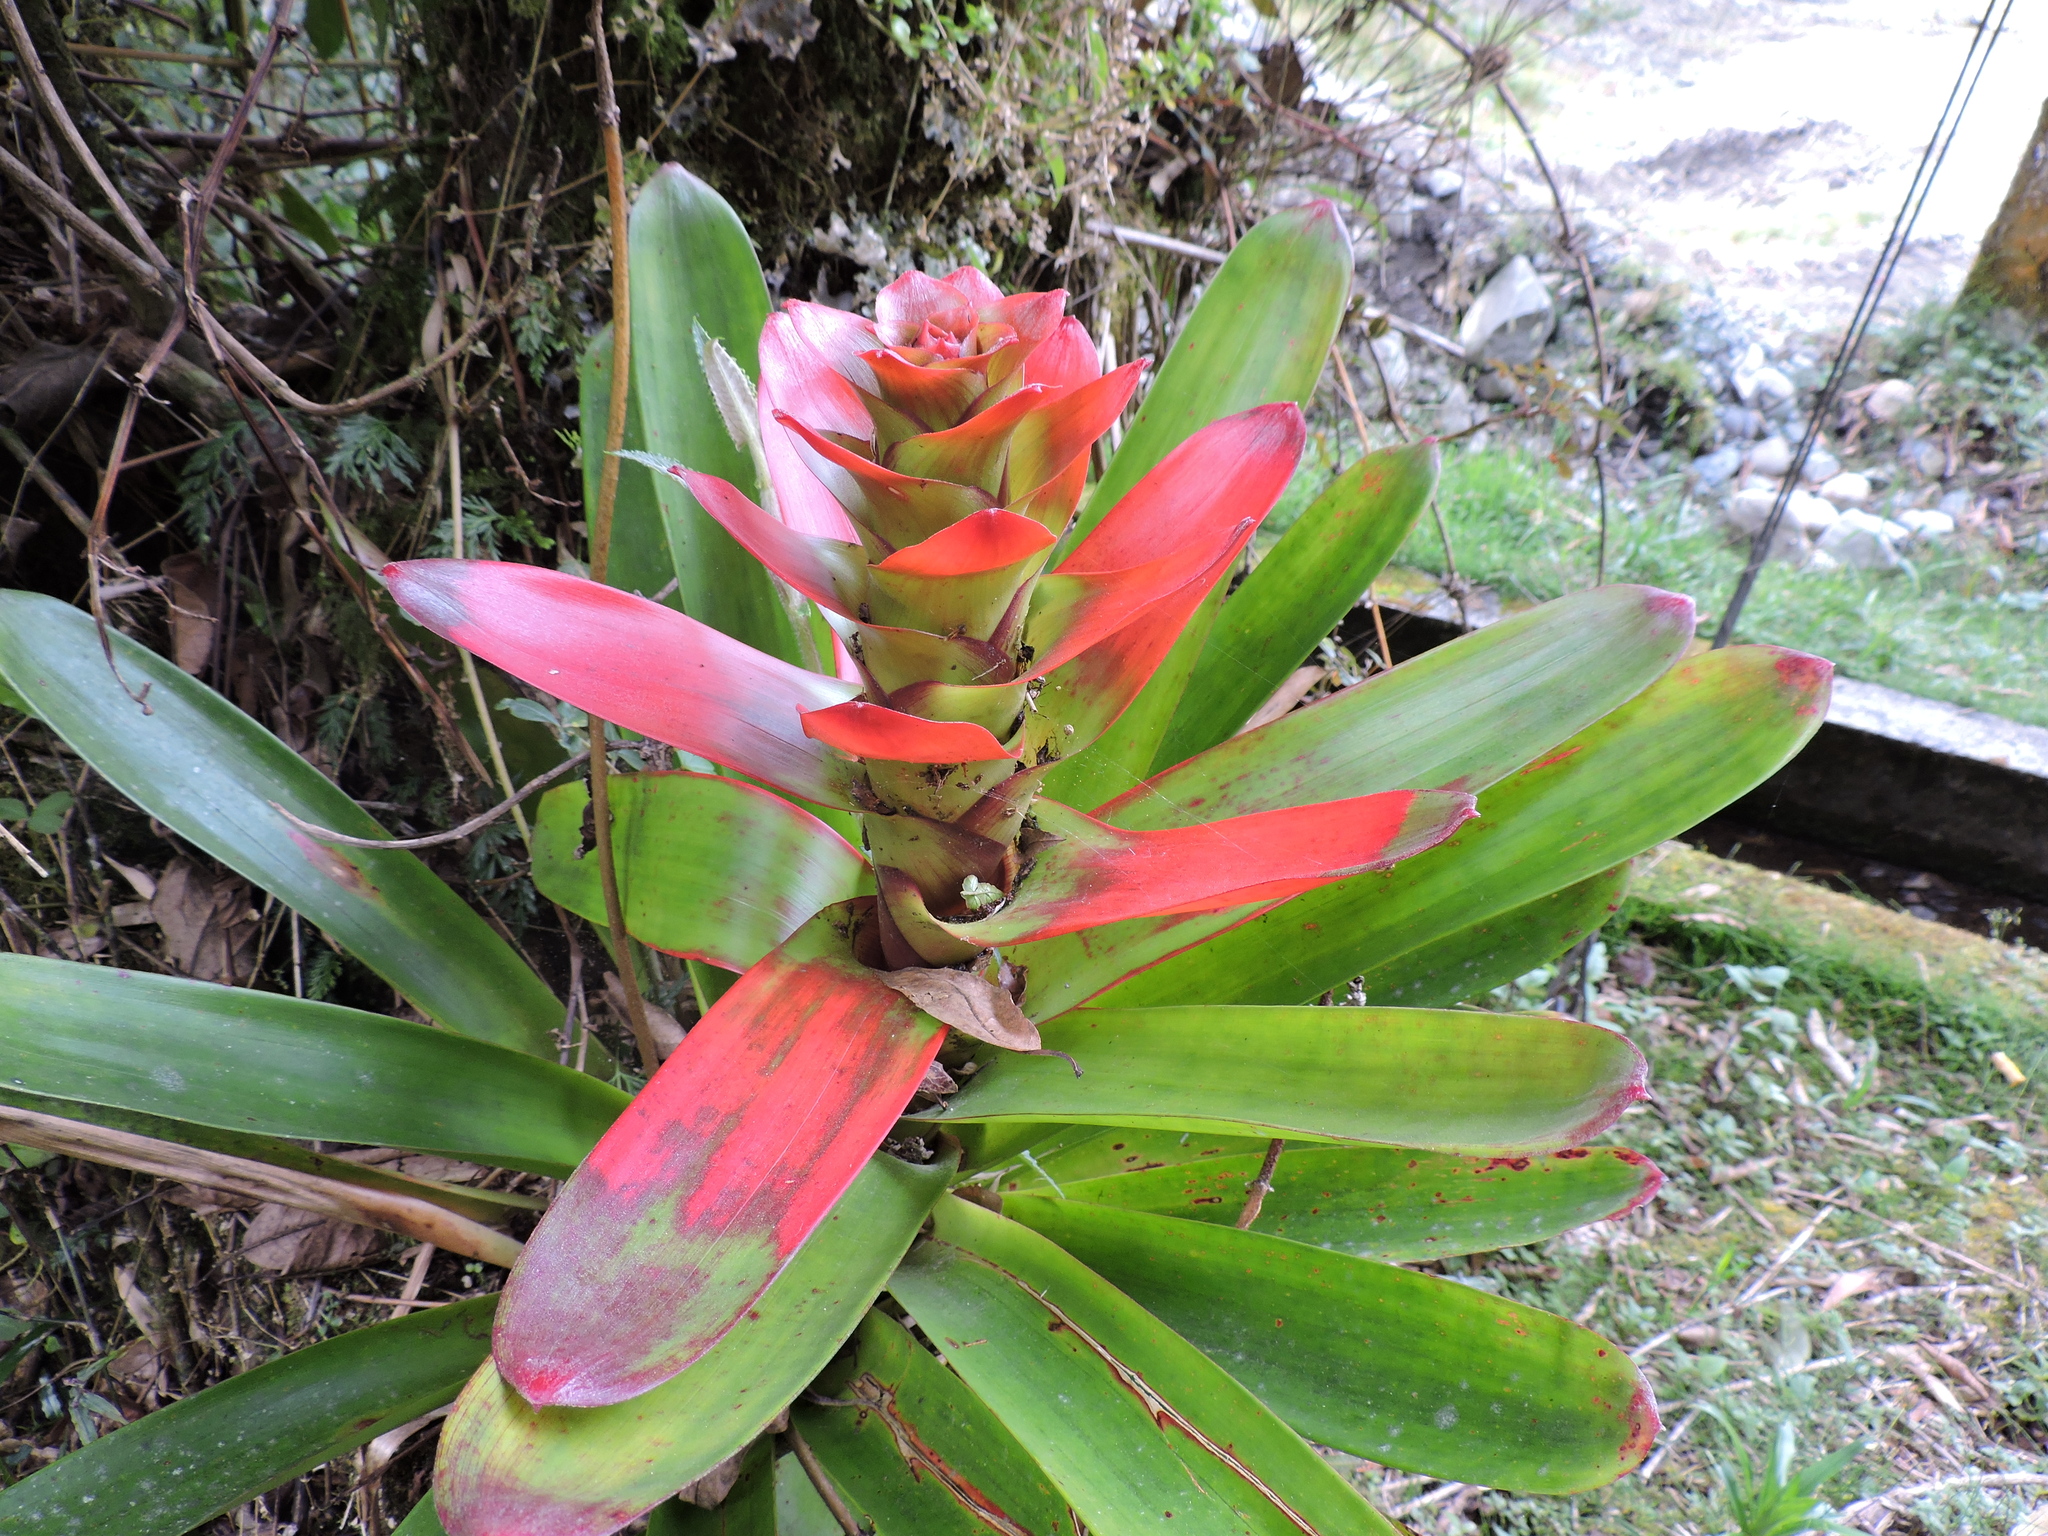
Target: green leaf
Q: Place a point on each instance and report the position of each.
(551, 1471)
(1136, 1427)
(1299, 592)
(49, 813)
(1473, 961)
(1398, 1204)
(423, 1521)
(1463, 716)
(12, 809)
(709, 868)
(183, 1465)
(1411, 1370)
(9, 699)
(692, 264)
(1260, 334)
(210, 773)
(914, 1451)
(327, 26)
(1711, 729)
(254, 1061)
(298, 212)
(1478, 1082)
(748, 1510)
(798, 1509)
(640, 560)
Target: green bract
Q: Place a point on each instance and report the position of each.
(1018, 813)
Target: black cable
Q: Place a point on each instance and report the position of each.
(1931, 159)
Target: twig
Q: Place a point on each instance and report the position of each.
(1255, 1197)
(1799, 1241)
(1945, 1484)
(808, 1460)
(28, 858)
(32, 462)
(1656, 1339)
(261, 372)
(1570, 236)
(601, 526)
(31, 64)
(469, 672)
(437, 839)
(57, 205)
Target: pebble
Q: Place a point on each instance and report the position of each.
(1889, 401)
(1711, 471)
(1440, 182)
(1923, 455)
(1742, 373)
(1511, 318)
(1741, 421)
(1847, 489)
(1956, 504)
(1927, 524)
(1773, 387)
(1745, 515)
(1864, 541)
(1814, 514)
(1772, 456)
(1820, 466)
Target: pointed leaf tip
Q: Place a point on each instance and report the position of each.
(889, 735)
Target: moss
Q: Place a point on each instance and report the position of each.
(1948, 990)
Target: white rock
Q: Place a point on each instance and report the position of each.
(1392, 351)
(1889, 401)
(1820, 466)
(1745, 515)
(1814, 514)
(1956, 503)
(1772, 456)
(1440, 182)
(1742, 374)
(1512, 317)
(1865, 542)
(1928, 524)
(1821, 561)
(1924, 455)
(1712, 470)
(1847, 489)
(1773, 387)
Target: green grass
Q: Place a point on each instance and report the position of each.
(1943, 628)
(1926, 1138)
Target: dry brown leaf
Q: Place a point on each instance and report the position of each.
(195, 583)
(208, 927)
(294, 1242)
(668, 1034)
(968, 1003)
(392, 1210)
(1854, 1283)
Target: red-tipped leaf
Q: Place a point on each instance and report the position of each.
(896, 509)
(1087, 872)
(875, 730)
(634, 663)
(713, 1177)
(830, 572)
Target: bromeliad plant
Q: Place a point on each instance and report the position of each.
(1028, 933)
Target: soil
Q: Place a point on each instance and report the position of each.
(1762, 149)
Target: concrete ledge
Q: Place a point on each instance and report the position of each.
(1954, 973)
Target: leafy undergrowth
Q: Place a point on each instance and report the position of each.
(1859, 1261)
(1963, 621)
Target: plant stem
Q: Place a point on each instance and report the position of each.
(808, 1460)
(469, 672)
(601, 527)
(1255, 1198)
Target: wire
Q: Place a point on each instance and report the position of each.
(1931, 159)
